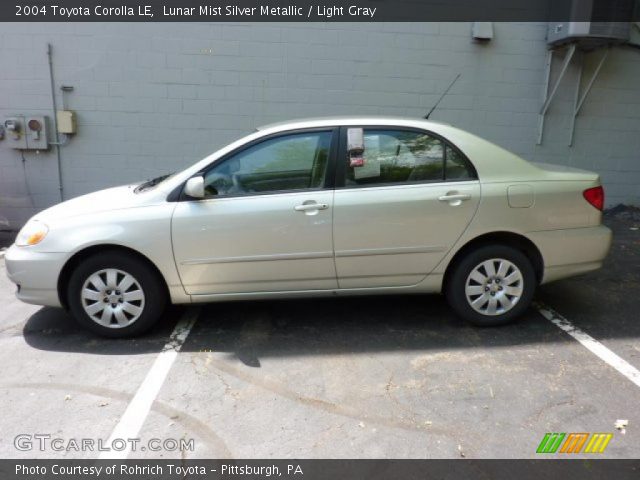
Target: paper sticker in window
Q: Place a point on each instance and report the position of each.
(371, 167)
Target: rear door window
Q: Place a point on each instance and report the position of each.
(406, 156)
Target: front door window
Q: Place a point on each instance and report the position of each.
(285, 163)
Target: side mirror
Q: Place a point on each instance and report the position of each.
(194, 187)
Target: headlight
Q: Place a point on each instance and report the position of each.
(32, 233)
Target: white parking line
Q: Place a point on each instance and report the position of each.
(134, 416)
(591, 344)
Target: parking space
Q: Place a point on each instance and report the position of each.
(367, 377)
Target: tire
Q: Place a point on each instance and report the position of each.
(135, 300)
(486, 297)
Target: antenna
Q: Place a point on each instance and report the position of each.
(442, 96)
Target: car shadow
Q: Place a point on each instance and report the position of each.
(250, 331)
(257, 330)
(54, 329)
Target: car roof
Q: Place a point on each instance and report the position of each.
(347, 120)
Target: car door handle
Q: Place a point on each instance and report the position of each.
(454, 197)
(310, 206)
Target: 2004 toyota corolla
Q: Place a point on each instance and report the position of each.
(337, 206)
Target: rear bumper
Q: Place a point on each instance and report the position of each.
(35, 274)
(572, 251)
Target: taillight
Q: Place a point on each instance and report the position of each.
(595, 196)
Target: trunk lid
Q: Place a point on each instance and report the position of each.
(562, 172)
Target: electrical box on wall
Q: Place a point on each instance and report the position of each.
(14, 126)
(27, 133)
(37, 133)
(66, 120)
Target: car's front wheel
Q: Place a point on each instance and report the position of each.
(492, 285)
(115, 294)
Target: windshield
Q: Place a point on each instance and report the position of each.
(153, 182)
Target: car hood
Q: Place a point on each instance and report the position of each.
(115, 198)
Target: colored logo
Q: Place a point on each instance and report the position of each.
(573, 443)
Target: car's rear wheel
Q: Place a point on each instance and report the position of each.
(115, 294)
(492, 285)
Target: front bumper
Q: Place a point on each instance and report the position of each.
(35, 274)
(572, 251)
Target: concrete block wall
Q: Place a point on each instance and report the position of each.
(154, 98)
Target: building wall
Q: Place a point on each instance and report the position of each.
(153, 98)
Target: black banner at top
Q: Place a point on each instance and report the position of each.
(318, 10)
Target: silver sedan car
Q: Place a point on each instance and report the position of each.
(319, 207)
